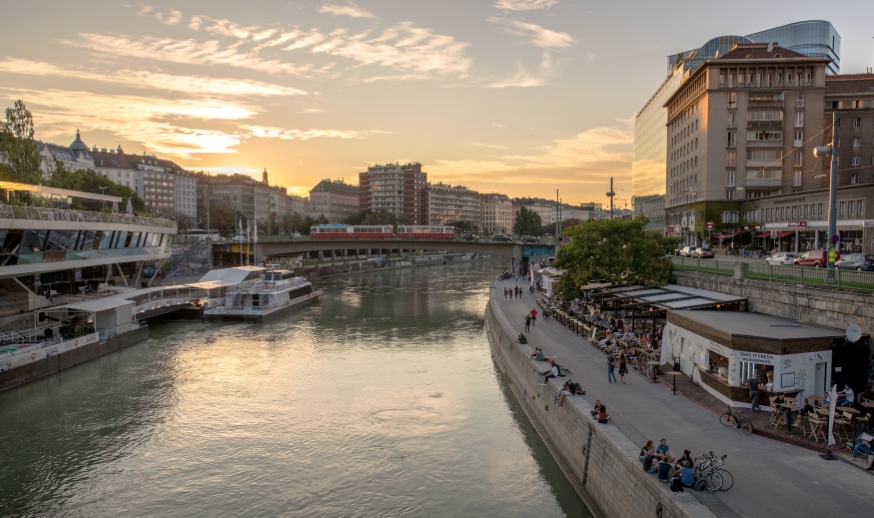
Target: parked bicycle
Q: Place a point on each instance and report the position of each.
(710, 473)
(738, 421)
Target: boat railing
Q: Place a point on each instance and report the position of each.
(82, 216)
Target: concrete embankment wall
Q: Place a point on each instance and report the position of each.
(599, 456)
(833, 308)
(31, 371)
(321, 271)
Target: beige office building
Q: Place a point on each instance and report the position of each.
(498, 215)
(334, 199)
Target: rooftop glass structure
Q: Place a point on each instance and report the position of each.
(811, 38)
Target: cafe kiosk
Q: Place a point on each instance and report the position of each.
(720, 350)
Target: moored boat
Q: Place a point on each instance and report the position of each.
(277, 292)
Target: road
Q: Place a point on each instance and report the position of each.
(771, 478)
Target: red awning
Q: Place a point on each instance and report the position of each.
(778, 235)
(762, 234)
(730, 234)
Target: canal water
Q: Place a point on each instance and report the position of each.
(382, 399)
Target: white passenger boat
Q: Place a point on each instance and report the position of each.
(256, 300)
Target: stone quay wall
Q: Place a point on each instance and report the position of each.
(321, 271)
(833, 308)
(599, 456)
(31, 371)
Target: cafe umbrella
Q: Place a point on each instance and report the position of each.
(832, 397)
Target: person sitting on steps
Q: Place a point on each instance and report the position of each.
(603, 416)
(521, 339)
(597, 407)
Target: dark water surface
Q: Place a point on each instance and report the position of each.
(382, 399)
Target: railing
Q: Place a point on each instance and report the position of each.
(82, 216)
(846, 280)
(704, 265)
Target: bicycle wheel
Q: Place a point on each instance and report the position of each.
(715, 481)
(727, 480)
(746, 427)
(726, 419)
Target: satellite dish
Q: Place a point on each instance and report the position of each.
(854, 333)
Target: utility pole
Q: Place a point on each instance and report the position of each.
(611, 194)
(557, 219)
(834, 239)
(209, 260)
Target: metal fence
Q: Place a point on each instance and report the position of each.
(704, 265)
(84, 216)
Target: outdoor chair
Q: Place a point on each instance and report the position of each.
(776, 416)
(817, 428)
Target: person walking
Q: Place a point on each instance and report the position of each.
(753, 384)
(527, 323)
(623, 367)
(611, 366)
(534, 317)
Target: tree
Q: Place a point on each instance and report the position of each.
(369, 217)
(20, 154)
(462, 226)
(617, 250)
(64, 178)
(528, 223)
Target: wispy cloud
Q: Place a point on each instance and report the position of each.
(171, 17)
(188, 84)
(590, 157)
(346, 10)
(490, 146)
(535, 34)
(295, 134)
(525, 5)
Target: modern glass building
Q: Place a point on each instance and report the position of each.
(648, 170)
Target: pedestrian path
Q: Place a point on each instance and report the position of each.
(771, 477)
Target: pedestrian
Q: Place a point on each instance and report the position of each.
(505, 293)
(611, 365)
(534, 317)
(527, 323)
(623, 367)
(511, 294)
(753, 384)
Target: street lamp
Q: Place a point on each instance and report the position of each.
(831, 151)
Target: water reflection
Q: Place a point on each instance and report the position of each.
(382, 399)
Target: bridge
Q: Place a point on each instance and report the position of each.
(227, 254)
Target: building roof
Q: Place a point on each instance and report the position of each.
(78, 145)
(849, 84)
(98, 305)
(26, 187)
(760, 51)
(336, 186)
(761, 326)
(231, 276)
(680, 297)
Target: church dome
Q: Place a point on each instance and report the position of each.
(78, 145)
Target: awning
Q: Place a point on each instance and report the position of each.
(730, 234)
(97, 305)
(778, 235)
(234, 275)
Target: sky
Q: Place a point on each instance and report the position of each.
(520, 97)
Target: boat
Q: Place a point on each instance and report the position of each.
(277, 292)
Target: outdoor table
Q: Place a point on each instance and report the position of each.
(816, 399)
(789, 407)
(791, 399)
(847, 409)
(655, 366)
(674, 374)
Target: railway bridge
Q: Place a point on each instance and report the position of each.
(228, 254)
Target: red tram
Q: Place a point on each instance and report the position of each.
(340, 231)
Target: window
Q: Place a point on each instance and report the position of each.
(851, 207)
(842, 209)
(860, 208)
(732, 99)
(772, 115)
(854, 179)
(857, 123)
(764, 135)
(729, 178)
(799, 99)
(799, 138)
(732, 140)
(730, 157)
(856, 161)
(819, 210)
(799, 119)
(857, 141)
(796, 179)
(731, 121)
(764, 154)
(799, 158)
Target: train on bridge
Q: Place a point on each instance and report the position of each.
(341, 231)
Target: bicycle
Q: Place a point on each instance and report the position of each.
(710, 469)
(741, 423)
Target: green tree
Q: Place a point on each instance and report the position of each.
(369, 217)
(462, 226)
(296, 223)
(20, 156)
(528, 223)
(64, 178)
(618, 250)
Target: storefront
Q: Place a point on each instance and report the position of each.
(721, 350)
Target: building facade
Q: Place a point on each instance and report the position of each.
(401, 190)
(741, 127)
(334, 199)
(497, 213)
(74, 157)
(448, 204)
(649, 170)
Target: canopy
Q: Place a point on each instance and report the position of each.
(778, 234)
(729, 235)
(98, 305)
(234, 275)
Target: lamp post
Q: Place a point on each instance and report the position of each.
(831, 151)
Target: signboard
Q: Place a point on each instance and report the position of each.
(669, 230)
(797, 223)
(832, 254)
(77, 275)
(710, 225)
(835, 239)
(538, 251)
(760, 358)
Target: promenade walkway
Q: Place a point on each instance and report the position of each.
(771, 478)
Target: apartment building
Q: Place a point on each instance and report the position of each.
(448, 204)
(497, 213)
(334, 199)
(741, 127)
(399, 189)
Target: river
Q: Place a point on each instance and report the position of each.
(382, 399)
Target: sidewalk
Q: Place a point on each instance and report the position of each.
(771, 477)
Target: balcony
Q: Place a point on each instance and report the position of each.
(16, 212)
(765, 104)
(767, 179)
(764, 124)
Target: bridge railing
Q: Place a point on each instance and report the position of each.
(704, 265)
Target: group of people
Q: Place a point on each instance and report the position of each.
(530, 319)
(658, 459)
(599, 412)
(511, 292)
(568, 388)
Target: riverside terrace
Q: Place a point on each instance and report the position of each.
(770, 477)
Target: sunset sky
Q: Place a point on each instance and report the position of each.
(514, 96)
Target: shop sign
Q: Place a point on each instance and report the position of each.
(718, 349)
(797, 223)
(669, 230)
(761, 358)
(710, 225)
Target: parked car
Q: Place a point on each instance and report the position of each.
(781, 259)
(686, 251)
(529, 239)
(856, 261)
(469, 237)
(501, 237)
(814, 259)
(703, 253)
